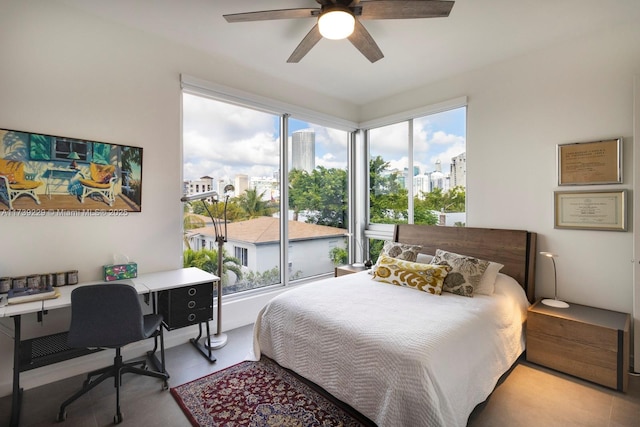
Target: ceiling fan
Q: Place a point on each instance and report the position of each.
(339, 19)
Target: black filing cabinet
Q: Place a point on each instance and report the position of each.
(186, 306)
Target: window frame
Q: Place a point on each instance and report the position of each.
(381, 231)
(198, 87)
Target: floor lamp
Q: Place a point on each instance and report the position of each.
(219, 339)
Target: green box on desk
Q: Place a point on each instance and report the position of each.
(120, 271)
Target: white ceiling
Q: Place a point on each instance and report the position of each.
(417, 52)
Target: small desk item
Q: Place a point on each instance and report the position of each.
(23, 295)
(343, 270)
(586, 342)
(23, 360)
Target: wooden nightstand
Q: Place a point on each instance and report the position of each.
(348, 269)
(587, 342)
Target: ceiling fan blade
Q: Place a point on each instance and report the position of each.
(267, 15)
(363, 41)
(404, 9)
(305, 45)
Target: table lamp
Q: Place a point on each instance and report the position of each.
(555, 302)
(73, 156)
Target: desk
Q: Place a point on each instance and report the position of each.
(187, 304)
(144, 284)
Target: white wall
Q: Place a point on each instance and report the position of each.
(67, 73)
(579, 90)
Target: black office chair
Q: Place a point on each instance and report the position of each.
(110, 316)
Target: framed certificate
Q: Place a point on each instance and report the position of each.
(591, 210)
(597, 162)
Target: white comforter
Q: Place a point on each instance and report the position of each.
(399, 356)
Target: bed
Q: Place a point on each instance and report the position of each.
(399, 356)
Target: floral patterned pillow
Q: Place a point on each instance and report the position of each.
(466, 272)
(423, 277)
(401, 251)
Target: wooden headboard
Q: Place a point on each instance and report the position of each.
(515, 249)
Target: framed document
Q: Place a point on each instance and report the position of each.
(597, 162)
(591, 210)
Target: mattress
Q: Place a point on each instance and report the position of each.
(399, 356)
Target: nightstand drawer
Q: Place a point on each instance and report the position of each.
(589, 343)
(573, 332)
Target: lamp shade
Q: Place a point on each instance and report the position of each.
(73, 156)
(336, 22)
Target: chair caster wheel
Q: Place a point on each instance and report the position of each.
(117, 419)
(61, 416)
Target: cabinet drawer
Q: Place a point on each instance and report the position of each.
(186, 306)
(180, 319)
(583, 361)
(573, 332)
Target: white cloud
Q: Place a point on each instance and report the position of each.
(222, 140)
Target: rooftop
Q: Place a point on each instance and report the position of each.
(266, 229)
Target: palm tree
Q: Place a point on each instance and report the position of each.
(207, 260)
(253, 204)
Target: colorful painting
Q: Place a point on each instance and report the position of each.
(44, 175)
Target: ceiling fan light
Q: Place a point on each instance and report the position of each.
(336, 24)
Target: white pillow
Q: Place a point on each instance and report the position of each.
(424, 259)
(488, 280)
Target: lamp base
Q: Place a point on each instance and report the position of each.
(555, 303)
(215, 341)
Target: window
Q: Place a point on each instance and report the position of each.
(318, 204)
(417, 171)
(242, 255)
(273, 236)
(238, 149)
(64, 147)
(388, 173)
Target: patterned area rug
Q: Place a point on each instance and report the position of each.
(259, 394)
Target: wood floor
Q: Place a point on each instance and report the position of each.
(529, 396)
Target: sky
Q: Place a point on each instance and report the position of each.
(222, 140)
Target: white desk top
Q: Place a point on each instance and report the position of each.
(151, 282)
(174, 279)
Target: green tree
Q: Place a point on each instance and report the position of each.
(253, 205)
(207, 260)
(300, 191)
(388, 199)
(322, 193)
(338, 256)
(451, 201)
(191, 221)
